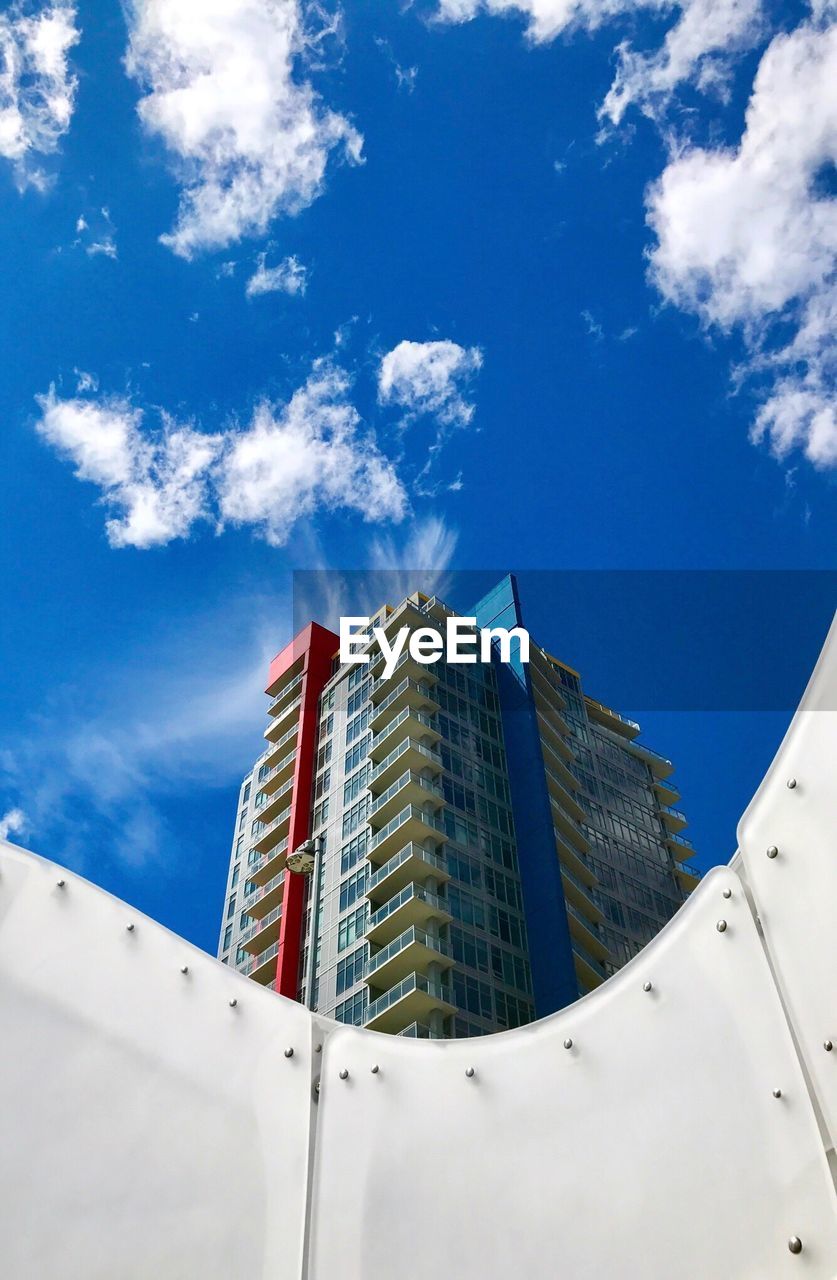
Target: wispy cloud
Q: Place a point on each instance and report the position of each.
(698, 48)
(12, 822)
(746, 239)
(96, 234)
(430, 378)
(288, 276)
(37, 86)
(250, 136)
(309, 456)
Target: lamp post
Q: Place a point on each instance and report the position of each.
(306, 860)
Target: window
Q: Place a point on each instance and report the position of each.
(353, 817)
(352, 852)
(355, 785)
(326, 726)
(231, 907)
(358, 726)
(351, 889)
(350, 970)
(246, 795)
(323, 756)
(235, 875)
(228, 932)
(239, 845)
(357, 754)
(323, 784)
(242, 819)
(320, 814)
(352, 1010)
(245, 921)
(351, 928)
(357, 699)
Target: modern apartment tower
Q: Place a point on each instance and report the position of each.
(491, 842)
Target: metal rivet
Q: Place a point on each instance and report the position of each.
(568, 1044)
(469, 1071)
(130, 928)
(828, 1046)
(317, 1087)
(646, 986)
(233, 1002)
(773, 852)
(60, 883)
(289, 1053)
(344, 1075)
(727, 893)
(721, 926)
(795, 1244)
(777, 1093)
(791, 785)
(184, 968)
(319, 1048)
(374, 1069)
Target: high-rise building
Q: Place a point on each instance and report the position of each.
(490, 842)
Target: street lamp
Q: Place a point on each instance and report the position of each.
(305, 861)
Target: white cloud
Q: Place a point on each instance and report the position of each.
(156, 484)
(288, 276)
(697, 48)
(430, 544)
(307, 456)
(37, 88)
(746, 239)
(12, 821)
(96, 234)
(224, 92)
(291, 462)
(430, 378)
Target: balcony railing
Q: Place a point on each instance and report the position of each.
(410, 813)
(261, 893)
(259, 960)
(420, 1031)
(399, 944)
(289, 688)
(400, 783)
(408, 893)
(274, 746)
(589, 959)
(409, 744)
(408, 713)
(398, 859)
(413, 982)
(282, 716)
(256, 928)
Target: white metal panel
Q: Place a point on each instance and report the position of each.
(148, 1129)
(795, 889)
(653, 1147)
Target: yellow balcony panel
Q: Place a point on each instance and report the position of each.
(590, 974)
(611, 719)
(263, 967)
(409, 754)
(273, 832)
(259, 936)
(280, 724)
(413, 1000)
(659, 765)
(687, 876)
(578, 897)
(409, 723)
(277, 860)
(411, 952)
(552, 736)
(285, 695)
(682, 848)
(267, 897)
(568, 827)
(559, 792)
(411, 825)
(583, 931)
(406, 693)
(556, 764)
(674, 819)
(409, 788)
(414, 905)
(666, 791)
(412, 864)
(573, 863)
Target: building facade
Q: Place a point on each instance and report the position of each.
(490, 841)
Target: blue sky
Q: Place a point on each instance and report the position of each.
(430, 292)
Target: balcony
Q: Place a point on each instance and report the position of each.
(409, 693)
(559, 771)
(409, 723)
(260, 935)
(285, 695)
(279, 724)
(273, 832)
(666, 791)
(421, 1031)
(413, 1000)
(279, 774)
(405, 666)
(582, 931)
(265, 871)
(611, 719)
(578, 894)
(573, 863)
(265, 898)
(410, 788)
(682, 848)
(673, 818)
(413, 905)
(589, 971)
(409, 826)
(262, 968)
(551, 734)
(689, 878)
(409, 754)
(277, 802)
(659, 765)
(277, 752)
(412, 951)
(568, 826)
(287, 678)
(412, 864)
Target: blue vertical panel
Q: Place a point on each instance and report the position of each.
(554, 980)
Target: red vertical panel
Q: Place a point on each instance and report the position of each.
(317, 646)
